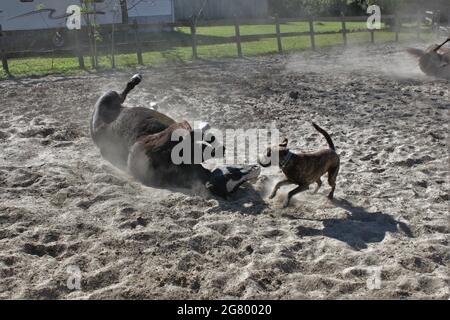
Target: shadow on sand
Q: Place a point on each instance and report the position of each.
(246, 200)
(359, 229)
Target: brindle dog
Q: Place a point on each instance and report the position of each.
(304, 169)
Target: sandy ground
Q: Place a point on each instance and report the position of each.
(385, 236)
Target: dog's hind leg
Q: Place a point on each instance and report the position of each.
(292, 193)
(319, 184)
(277, 187)
(332, 176)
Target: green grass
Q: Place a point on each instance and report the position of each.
(183, 53)
(37, 66)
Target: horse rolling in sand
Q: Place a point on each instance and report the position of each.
(435, 61)
(140, 141)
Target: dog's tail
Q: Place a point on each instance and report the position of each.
(134, 81)
(415, 52)
(326, 135)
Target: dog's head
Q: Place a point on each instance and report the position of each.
(274, 154)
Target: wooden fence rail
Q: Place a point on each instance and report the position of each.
(115, 46)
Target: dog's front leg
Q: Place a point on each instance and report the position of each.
(293, 193)
(277, 187)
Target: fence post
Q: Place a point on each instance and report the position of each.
(438, 23)
(278, 31)
(194, 39)
(397, 26)
(419, 23)
(311, 33)
(137, 43)
(3, 54)
(92, 42)
(113, 57)
(344, 28)
(78, 49)
(237, 31)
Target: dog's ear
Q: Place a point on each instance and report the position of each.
(284, 143)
